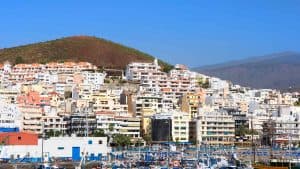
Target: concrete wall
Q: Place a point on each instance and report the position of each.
(57, 147)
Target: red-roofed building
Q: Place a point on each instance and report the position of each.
(18, 138)
(33, 98)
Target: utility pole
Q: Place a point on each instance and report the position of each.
(139, 148)
(169, 137)
(252, 135)
(86, 123)
(290, 164)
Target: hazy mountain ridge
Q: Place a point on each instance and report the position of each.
(277, 71)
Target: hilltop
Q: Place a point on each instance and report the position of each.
(100, 52)
(277, 71)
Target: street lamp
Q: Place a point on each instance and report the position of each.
(43, 135)
(169, 137)
(88, 110)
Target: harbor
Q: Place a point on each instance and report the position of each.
(162, 156)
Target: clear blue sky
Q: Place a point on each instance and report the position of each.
(189, 32)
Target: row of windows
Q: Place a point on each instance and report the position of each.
(89, 142)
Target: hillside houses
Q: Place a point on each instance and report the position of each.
(67, 97)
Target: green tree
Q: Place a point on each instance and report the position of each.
(19, 60)
(242, 131)
(111, 127)
(203, 83)
(99, 133)
(139, 142)
(177, 140)
(57, 133)
(147, 138)
(50, 133)
(121, 140)
(167, 68)
(100, 69)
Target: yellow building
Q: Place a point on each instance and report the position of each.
(190, 102)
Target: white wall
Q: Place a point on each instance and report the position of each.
(51, 147)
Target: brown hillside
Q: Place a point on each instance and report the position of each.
(101, 52)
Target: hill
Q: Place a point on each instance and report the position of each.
(101, 52)
(277, 71)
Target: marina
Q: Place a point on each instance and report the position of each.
(180, 156)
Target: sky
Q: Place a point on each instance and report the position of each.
(189, 32)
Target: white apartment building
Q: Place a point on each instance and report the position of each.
(69, 67)
(148, 104)
(32, 118)
(47, 77)
(25, 72)
(96, 79)
(118, 123)
(9, 95)
(260, 113)
(10, 116)
(218, 84)
(52, 121)
(214, 127)
(108, 100)
(287, 124)
(5, 70)
(136, 71)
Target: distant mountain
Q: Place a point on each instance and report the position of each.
(277, 71)
(101, 52)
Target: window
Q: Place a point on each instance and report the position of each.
(90, 142)
(19, 137)
(60, 148)
(100, 142)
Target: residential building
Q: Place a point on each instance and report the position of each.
(177, 124)
(215, 127)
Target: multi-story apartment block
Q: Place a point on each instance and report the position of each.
(32, 118)
(129, 126)
(137, 71)
(190, 102)
(286, 125)
(96, 79)
(177, 127)
(82, 123)
(55, 123)
(10, 117)
(68, 67)
(9, 95)
(41, 109)
(118, 123)
(148, 104)
(46, 77)
(25, 72)
(215, 127)
(5, 69)
(108, 100)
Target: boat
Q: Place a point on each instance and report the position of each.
(49, 166)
